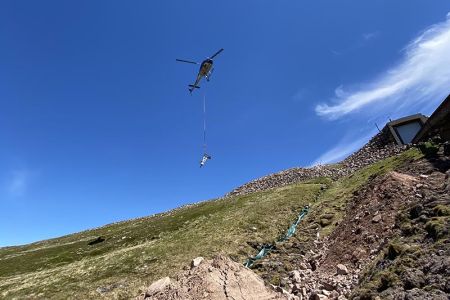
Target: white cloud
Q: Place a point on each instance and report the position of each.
(421, 77)
(342, 149)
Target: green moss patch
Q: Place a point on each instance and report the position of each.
(437, 227)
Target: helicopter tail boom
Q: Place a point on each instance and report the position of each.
(192, 87)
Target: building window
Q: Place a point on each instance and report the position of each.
(406, 132)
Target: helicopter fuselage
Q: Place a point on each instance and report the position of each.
(205, 67)
(205, 71)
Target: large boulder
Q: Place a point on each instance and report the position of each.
(217, 279)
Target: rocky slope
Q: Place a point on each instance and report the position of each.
(380, 147)
(387, 239)
(392, 242)
(415, 261)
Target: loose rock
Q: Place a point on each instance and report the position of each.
(341, 269)
(196, 262)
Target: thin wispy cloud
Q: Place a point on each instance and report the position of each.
(421, 77)
(18, 183)
(342, 149)
(360, 42)
(335, 52)
(300, 95)
(370, 35)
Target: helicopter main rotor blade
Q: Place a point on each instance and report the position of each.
(217, 53)
(187, 61)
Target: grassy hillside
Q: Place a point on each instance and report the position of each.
(136, 252)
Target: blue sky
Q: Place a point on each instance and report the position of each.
(97, 125)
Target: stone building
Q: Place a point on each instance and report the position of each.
(437, 124)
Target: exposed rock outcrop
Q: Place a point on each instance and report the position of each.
(217, 279)
(392, 242)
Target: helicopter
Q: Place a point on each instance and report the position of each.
(206, 69)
